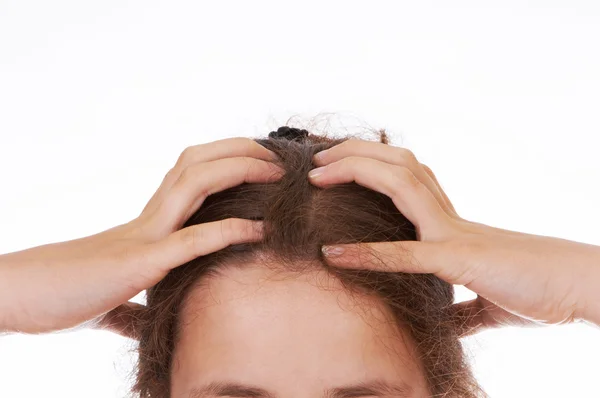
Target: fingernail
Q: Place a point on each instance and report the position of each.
(314, 173)
(331, 251)
(274, 156)
(320, 155)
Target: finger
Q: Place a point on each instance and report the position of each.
(414, 200)
(156, 198)
(385, 153)
(123, 320)
(198, 240)
(479, 314)
(468, 318)
(200, 180)
(208, 152)
(441, 190)
(225, 148)
(400, 256)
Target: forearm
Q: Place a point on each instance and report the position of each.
(49, 287)
(9, 295)
(24, 279)
(30, 278)
(591, 286)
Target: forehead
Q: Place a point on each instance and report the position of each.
(256, 325)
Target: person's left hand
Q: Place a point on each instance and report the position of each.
(520, 279)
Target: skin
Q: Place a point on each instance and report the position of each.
(293, 335)
(520, 279)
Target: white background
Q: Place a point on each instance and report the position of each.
(97, 100)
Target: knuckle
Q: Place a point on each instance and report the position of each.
(410, 159)
(406, 177)
(407, 154)
(244, 164)
(172, 175)
(193, 236)
(427, 169)
(468, 253)
(429, 172)
(173, 171)
(229, 223)
(248, 162)
(186, 156)
(187, 174)
(194, 175)
(229, 226)
(250, 145)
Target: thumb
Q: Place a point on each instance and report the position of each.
(199, 240)
(123, 320)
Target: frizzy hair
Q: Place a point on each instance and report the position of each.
(299, 218)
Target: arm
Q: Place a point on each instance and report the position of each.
(591, 286)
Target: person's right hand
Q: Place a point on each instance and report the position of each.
(520, 279)
(87, 282)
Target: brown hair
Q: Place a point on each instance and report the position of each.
(298, 218)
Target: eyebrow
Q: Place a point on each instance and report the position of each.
(377, 388)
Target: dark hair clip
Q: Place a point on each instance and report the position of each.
(288, 133)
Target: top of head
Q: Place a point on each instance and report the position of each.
(298, 219)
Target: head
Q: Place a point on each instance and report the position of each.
(273, 319)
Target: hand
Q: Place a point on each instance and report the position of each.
(87, 282)
(520, 279)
